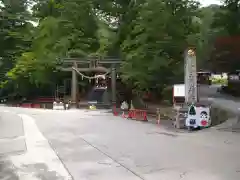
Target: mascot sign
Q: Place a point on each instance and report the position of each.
(198, 117)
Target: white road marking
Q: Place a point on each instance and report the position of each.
(39, 153)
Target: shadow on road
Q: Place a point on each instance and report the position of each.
(7, 171)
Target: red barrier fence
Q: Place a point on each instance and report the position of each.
(36, 106)
(137, 114)
(29, 105)
(26, 105)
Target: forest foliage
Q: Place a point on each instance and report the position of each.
(149, 36)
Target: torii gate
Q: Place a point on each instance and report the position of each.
(93, 65)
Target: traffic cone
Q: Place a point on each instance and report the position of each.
(130, 114)
(145, 116)
(123, 115)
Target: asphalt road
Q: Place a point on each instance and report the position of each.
(95, 145)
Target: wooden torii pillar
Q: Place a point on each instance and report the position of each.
(74, 88)
(74, 83)
(113, 85)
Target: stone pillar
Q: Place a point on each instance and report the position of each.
(190, 79)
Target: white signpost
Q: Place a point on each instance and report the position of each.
(179, 90)
(178, 95)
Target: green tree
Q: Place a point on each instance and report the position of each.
(154, 47)
(207, 35)
(62, 32)
(227, 18)
(15, 35)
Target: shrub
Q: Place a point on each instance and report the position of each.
(167, 94)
